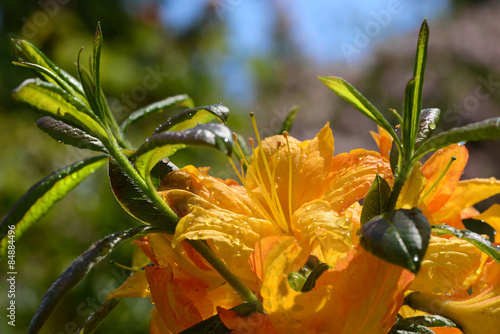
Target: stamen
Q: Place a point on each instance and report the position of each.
(113, 262)
(439, 179)
(240, 151)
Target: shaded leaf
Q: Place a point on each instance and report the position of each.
(487, 129)
(160, 170)
(408, 133)
(96, 318)
(400, 237)
(214, 324)
(87, 84)
(165, 144)
(290, 118)
(191, 117)
(476, 239)
(78, 270)
(420, 323)
(376, 199)
(26, 51)
(53, 101)
(40, 198)
(310, 282)
(96, 68)
(346, 91)
(429, 119)
(169, 102)
(69, 135)
(134, 201)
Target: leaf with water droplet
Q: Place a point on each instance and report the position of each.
(400, 237)
(376, 199)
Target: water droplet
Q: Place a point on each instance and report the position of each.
(415, 258)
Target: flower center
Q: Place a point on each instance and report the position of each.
(266, 179)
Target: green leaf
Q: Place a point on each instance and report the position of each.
(476, 239)
(134, 201)
(418, 75)
(51, 100)
(407, 131)
(87, 83)
(191, 117)
(400, 237)
(214, 325)
(346, 91)
(78, 270)
(26, 51)
(169, 102)
(487, 129)
(376, 199)
(95, 320)
(96, 68)
(40, 198)
(420, 323)
(290, 118)
(165, 144)
(69, 135)
(160, 170)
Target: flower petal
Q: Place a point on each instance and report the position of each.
(383, 140)
(175, 309)
(447, 265)
(353, 174)
(136, 285)
(316, 222)
(434, 168)
(466, 194)
(232, 236)
(412, 189)
(256, 323)
(477, 313)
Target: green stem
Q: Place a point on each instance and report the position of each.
(401, 178)
(245, 293)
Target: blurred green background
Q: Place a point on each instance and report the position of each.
(253, 56)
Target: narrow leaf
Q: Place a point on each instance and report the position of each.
(429, 119)
(476, 239)
(69, 135)
(87, 84)
(97, 67)
(160, 170)
(407, 126)
(95, 320)
(26, 51)
(290, 118)
(165, 144)
(418, 75)
(40, 198)
(310, 282)
(400, 237)
(53, 101)
(157, 107)
(134, 201)
(346, 91)
(487, 129)
(376, 199)
(191, 117)
(78, 270)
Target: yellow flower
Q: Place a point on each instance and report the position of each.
(476, 313)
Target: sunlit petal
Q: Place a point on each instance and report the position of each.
(492, 217)
(135, 286)
(383, 140)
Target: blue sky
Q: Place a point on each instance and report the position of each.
(325, 31)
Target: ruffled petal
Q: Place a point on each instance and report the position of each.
(448, 265)
(315, 222)
(383, 140)
(232, 236)
(256, 323)
(466, 194)
(434, 168)
(224, 194)
(352, 175)
(175, 309)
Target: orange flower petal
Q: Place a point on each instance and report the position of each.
(156, 325)
(383, 140)
(353, 174)
(136, 285)
(435, 167)
(466, 194)
(175, 309)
